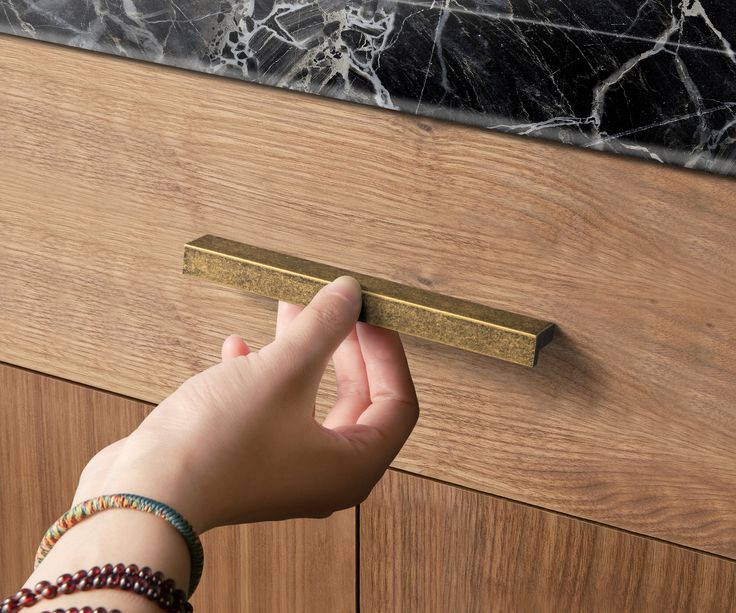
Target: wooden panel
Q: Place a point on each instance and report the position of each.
(428, 547)
(109, 166)
(50, 428)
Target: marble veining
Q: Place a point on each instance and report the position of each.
(650, 78)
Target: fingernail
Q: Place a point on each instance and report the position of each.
(348, 287)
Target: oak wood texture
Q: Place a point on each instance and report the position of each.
(49, 429)
(108, 167)
(429, 547)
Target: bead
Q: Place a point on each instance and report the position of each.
(65, 578)
(100, 581)
(145, 572)
(85, 584)
(153, 593)
(166, 600)
(188, 608)
(72, 610)
(67, 588)
(50, 591)
(112, 581)
(94, 571)
(17, 596)
(107, 569)
(79, 575)
(27, 600)
(59, 611)
(126, 583)
(86, 610)
(119, 568)
(41, 586)
(8, 607)
(140, 586)
(131, 569)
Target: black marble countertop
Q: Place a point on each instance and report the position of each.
(650, 78)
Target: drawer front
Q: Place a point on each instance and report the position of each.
(109, 167)
(458, 550)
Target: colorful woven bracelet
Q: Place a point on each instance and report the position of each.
(87, 508)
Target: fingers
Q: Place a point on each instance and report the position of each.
(315, 333)
(382, 428)
(386, 365)
(353, 393)
(234, 347)
(394, 408)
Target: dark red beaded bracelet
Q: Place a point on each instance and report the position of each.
(84, 610)
(152, 585)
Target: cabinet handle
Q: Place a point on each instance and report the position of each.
(410, 310)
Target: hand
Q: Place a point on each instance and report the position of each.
(238, 442)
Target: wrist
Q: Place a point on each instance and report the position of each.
(151, 473)
(115, 536)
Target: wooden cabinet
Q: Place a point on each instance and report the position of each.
(453, 549)
(625, 429)
(628, 418)
(50, 428)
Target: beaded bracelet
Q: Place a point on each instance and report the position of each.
(83, 610)
(153, 586)
(89, 507)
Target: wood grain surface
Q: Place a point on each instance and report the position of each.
(428, 547)
(109, 166)
(49, 429)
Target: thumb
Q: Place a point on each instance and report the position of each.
(316, 332)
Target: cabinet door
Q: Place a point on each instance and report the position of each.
(429, 547)
(49, 429)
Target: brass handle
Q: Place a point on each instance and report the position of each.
(444, 319)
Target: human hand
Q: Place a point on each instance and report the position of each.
(238, 442)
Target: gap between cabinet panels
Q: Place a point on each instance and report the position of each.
(357, 559)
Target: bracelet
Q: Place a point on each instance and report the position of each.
(152, 585)
(83, 610)
(89, 507)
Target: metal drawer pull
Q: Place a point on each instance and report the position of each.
(410, 310)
